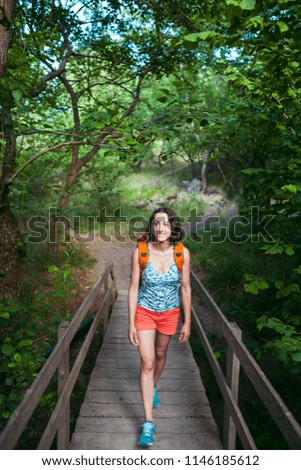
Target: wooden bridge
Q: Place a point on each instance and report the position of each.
(112, 412)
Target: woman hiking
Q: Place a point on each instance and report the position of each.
(160, 282)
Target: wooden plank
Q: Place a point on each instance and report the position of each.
(232, 376)
(63, 435)
(126, 363)
(117, 396)
(96, 383)
(121, 341)
(172, 426)
(112, 353)
(133, 373)
(105, 441)
(136, 410)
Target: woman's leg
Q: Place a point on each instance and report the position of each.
(147, 355)
(161, 345)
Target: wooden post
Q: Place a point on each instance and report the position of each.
(63, 432)
(232, 377)
(105, 313)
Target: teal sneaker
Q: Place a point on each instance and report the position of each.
(146, 438)
(156, 401)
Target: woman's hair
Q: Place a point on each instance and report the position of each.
(177, 231)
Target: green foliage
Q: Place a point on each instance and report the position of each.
(255, 284)
(287, 343)
(63, 272)
(21, 357)
(29, 330)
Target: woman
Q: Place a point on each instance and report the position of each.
(154, 306)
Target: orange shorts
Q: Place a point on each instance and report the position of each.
(164, 322)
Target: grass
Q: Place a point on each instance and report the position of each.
(153, 185)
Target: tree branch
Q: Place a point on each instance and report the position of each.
(133, 104)
(54, 73)
(43, 152)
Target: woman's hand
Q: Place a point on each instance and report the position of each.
(133, 336)
(185, 333)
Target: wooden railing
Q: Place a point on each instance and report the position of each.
(238, 355)
(59, 361)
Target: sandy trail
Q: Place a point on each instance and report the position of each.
(119, 253)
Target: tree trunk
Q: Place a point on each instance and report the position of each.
(224, 176)
(172, 166)
(204, 172)
(6, 15)
(10, 259)
(192, 165)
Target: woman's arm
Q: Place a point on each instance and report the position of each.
(186, 297)
(133, 297)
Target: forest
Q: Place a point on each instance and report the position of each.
(111, 108)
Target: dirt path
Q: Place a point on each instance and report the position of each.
(118, 252)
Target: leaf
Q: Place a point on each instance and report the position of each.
(296, 357)
(17, 357)
(17, 95)
(280, 327)
(275, 250)
(255, 284)
(192, 37)
(66, 273)
(289, 250)
(4, 315)
(7, 349)
(203, 35)
(9, 381)
(233, 2)
(247, 4)
(52, 269)
(25, 342)
(289, 289)
(291, 188)
(282, 26)
(261, 323)
(207, 34)
(251, 288)
(279, 284)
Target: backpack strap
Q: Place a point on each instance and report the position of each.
(143, 255)
(179, 255)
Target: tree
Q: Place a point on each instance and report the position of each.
(9, 236)
(79, 51)
(6, 15)
(256, 49)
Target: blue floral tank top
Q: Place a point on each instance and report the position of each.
(160, 292)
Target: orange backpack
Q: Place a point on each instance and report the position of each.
(143, 255)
